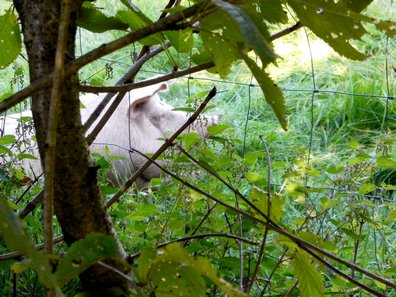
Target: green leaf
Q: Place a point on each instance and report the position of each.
(172, 272)
(10, 38)
(357, 5)
(391, 217)
(5, 150)
(334, 22)
(16, 239)
(181, 40)
(135, 20)
(7, 139)
(189, 139)
(94, 20)
(260, 199)
(84, 253)
(23, 156)
(220, 35)
(367, 188)
(252, 35)
(310, 281)
(269, 10)
(272, 93)
(385, 163)
(217, 129)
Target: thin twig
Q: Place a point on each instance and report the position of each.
(132, 86)
(267, 226)
(16, 255)
(130, 258)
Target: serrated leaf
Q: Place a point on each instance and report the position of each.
(260, 199)
(333, 22)
(10, 38)
(135, 20)
(220, 35)
(92, 19)
(83, 253)
(153, 267)
(190, 139)
(385, 163)
(252, 35)
(268, 10)
(272, 93)
(310, 281)
(7, 139)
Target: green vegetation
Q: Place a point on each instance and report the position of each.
(329, 179)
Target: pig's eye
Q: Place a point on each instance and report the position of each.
(140, 105)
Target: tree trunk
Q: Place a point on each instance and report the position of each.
(78, 202)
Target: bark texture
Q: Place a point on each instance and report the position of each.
(78, 202)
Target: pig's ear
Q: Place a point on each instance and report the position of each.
(162, 87)
(138, 103)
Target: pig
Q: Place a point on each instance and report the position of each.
(141, 122)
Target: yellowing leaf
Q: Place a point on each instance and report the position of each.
(310, 281)
(172, 272)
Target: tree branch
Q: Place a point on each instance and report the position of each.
(161, 25)
(49, 168)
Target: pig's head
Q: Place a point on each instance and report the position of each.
(162, 116)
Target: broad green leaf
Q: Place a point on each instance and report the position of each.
(335, 23)
(268, 10)
(171, 266)
(7, 139)
(310, 281)
(250, 158)
(92, 19)
(357, 5)
(143, 212)
(84, 253)
(327, 203)
(272, 93)
(189, 139)
(177, 280)
(10, 38)
(335, 169)
(220, 35)
(5, 150)
(252, 35)
(260, 200)
(135, 20)
(367, 188)
(23, 156)
(217, 129)
(181, 40)
(385, 163)
(17, 240)
(391, 217)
